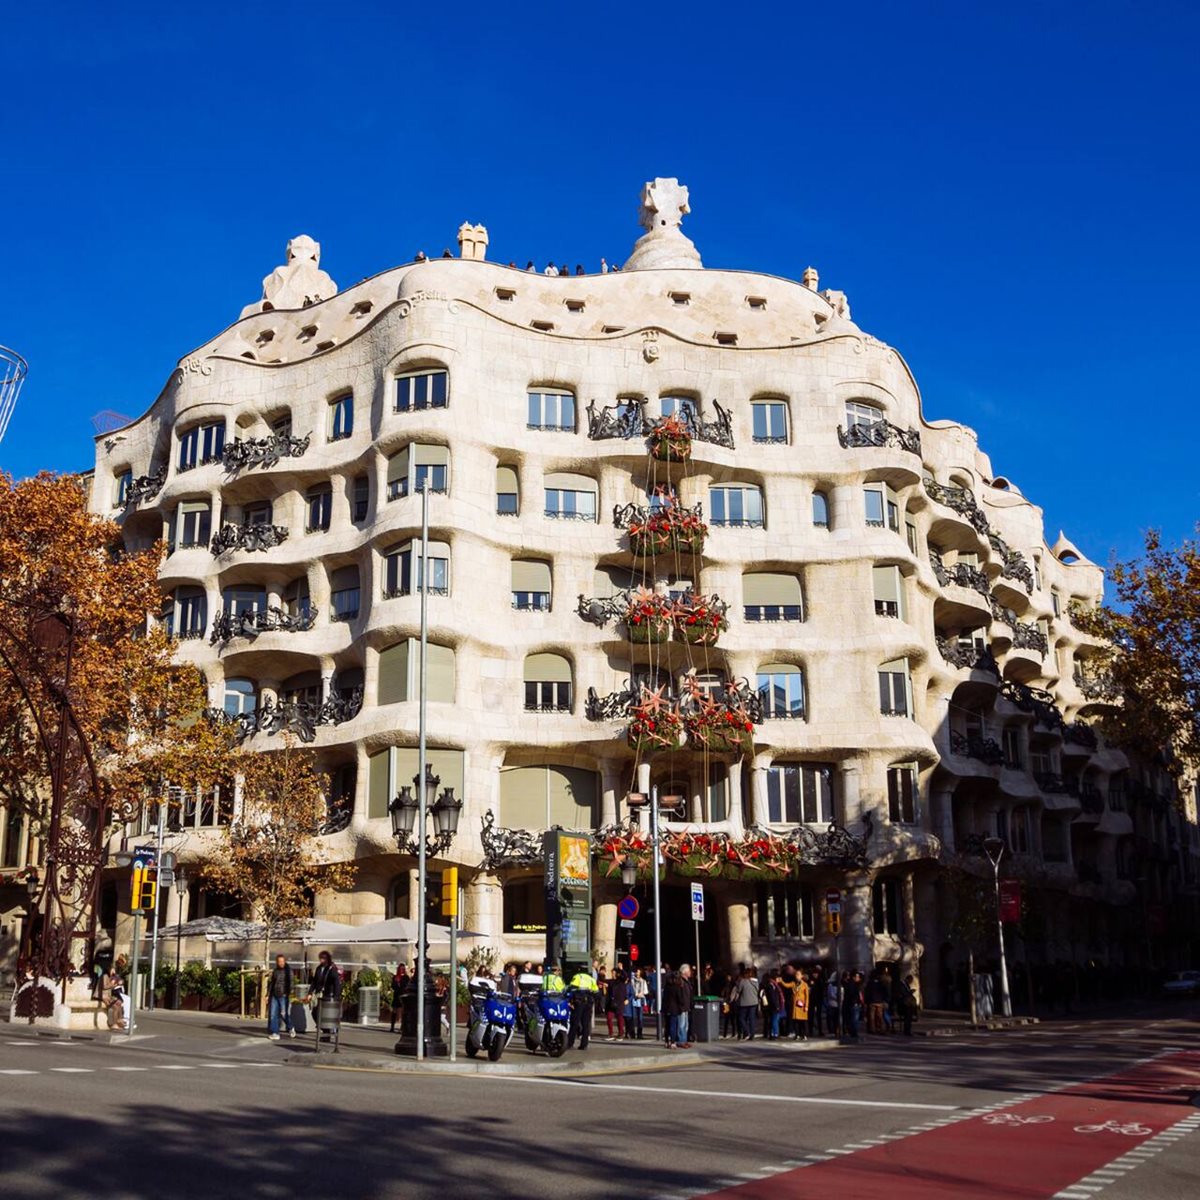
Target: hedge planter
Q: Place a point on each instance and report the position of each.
(721, 741)
(671, 449)
(698, 634)
(648, 632)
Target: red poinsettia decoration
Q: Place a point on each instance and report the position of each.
(699, 620)
(648, 617)
(655, 723)
(670, 439)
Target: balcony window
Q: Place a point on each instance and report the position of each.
(911, 531)
(681, 406)
(547, 683)
(412, 467)
(889, 592)
(296, 599)
(710, 683)
(895, 690)
(570, 497)
(402, 570)
(530, 585)
(201, 444)
(400, 673)
(258, 512)
(344, 593)
(768, 596)
(540, 797)
(341, 417)
(769, 421)
(800, 793)
(885, 907)
(240, 697)
(882, 507)
(1056, 602)
(193, 523)
(304, 688)
(508, 492)
(551, 411)
(1011, 739)
(121, 492)
(421, 390)
(191, 616)
(902, 794)
(738, 506)
(1019, 839)
(319, 502)
(781, 687)
(859, 412)
(243, 600)
(820, 510)
(360, 497)
(716, 793)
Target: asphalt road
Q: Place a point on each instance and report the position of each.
(982, 1115)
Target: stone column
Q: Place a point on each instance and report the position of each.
(643, 778)
(696, 785)
(610, 781)
(414, 885)
(943, 815)
(483, 909)
(737, 925)
(909, 925)
(604, 931)
(326, 679)
(733, 778)
(856, 948)
(758, 789)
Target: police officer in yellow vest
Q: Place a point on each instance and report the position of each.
(583, 1001)
(552, 981)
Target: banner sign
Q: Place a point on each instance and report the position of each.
(1010, 900)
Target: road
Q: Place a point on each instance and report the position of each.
(1007, 1115)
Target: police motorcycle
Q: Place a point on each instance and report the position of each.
(545, 1019)
(492, 1020)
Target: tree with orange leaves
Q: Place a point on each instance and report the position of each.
(95, 718)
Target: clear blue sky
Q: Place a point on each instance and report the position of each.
(1008, 197)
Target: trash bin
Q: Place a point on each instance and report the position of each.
(329, 1021)
(706, 1019)
(368, 1005)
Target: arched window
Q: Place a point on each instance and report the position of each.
(860, 412)
(889, 592)
(550, 409)
(296, 598)
(771, 596)
(508, 492)
(193, 523)
(736, 505)
(318, 501)
(243, 599)
(547, 683)
(191, 612)
(781, 686)
(895, 689)
(304, 688)
(530, 585)
(902, 793)
(422, 389)
(344, 593)
(408, 470)
(885, 906)
(769, 422)
(820, 510)
(571, 497)
(402, 570)
(341, 417)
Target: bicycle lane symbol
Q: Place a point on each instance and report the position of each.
(1010, 1120)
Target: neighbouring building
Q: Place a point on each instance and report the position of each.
(898, 628)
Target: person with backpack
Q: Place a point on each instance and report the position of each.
(905, 1002)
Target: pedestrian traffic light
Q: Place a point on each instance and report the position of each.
(835, 922)
(450, 892)
(145, 888)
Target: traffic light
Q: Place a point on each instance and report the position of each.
(450, 892)
(834, 921)
(145, 887)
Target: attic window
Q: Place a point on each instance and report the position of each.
(544, 326)
(725, 339)
(574, 305)
(682, 299)
(248, 354)
(611, 328)
(362, 308)
(758, 303)
(267, 335)
(1001, 483)
(326, 345)
(505, 293)
(1068, 557)
(307, 333)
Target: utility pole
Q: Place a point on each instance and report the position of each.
(422, 756)
(657, 912)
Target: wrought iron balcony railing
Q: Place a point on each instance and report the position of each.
(1090, 800)
(977, 658)
(972, 745)
(617, 706)
(962, 501)
(145, 487)
(881, 433)
(1038, 702)
(599, 610)
(628, 420)
(962, 574)
(227, 626)
(262, 452)
(301, 718)
(248, 537)
(625, 515)
(1029, 637)
(1080, 734)
(1013, 564)
(1096, 687)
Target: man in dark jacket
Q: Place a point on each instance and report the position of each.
(279, 991)
(677, 1003)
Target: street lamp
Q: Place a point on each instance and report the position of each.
(180, 885)
(994, 849)
(405, 808)
(628, 871)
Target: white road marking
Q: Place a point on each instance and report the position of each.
(15, 1071)
(129, 1068)
(173, 1067)
(72, 1070)
(670, 1091)
(223, 1066)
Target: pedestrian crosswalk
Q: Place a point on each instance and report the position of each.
(54, 1065)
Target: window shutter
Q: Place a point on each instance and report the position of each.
(608, 581)
(431, 456)
(393, 673)
(398, 466)
(530, 576)
(547, 668)
(440, 679)
(523, 798)
(506, 480)
(764, 587)
(572, 796)
(565, 481)
(378, 795)
(447, 764)
(343, 578)
(887, 583)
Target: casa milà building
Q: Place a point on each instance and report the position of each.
(836, 641)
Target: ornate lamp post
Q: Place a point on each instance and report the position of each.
(409, 814)
(994, 848)
(180, 885)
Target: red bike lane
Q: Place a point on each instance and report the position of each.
(1029, 1151)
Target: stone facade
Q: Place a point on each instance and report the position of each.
(846, 534)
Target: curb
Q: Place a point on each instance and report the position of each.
(467, 1066)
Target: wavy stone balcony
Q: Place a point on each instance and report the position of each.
(962, 501)
(145, 487)
(1013, 564)
(1037, 702)
(882, 434)
(972, 657)
(240, 455)
(970, 745)
(961, 574)
(1096, 687)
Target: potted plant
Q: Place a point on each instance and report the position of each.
(670, 439)
(699, 620)
(648, 617)
(667, 529)
(720, 726)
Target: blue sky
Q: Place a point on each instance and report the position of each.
(1008, 197)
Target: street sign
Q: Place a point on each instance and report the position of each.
(627, 924)
(697, 902)
(833, 901)
(633, 953)
(627, 910)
